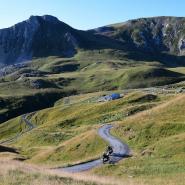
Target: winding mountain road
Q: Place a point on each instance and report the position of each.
(120, 149)
(28, 124)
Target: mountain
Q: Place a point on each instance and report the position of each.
(157, 38)
(42, 36)
(161, 34)
(156, 35)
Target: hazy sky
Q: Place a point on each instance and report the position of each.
(85, 14)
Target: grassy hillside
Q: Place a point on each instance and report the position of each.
(67, 134)
(12, 106)
(87, 72)
(45, 80)
(156, 138)
(152, 125)
(12, 172)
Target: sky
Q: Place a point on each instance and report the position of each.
(87, 14)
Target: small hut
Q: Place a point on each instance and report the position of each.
(111, 97)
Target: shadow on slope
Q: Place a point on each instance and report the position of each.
(7, 149)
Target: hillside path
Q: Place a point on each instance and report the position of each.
(121, 150)
(28, 124)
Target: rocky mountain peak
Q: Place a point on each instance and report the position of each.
(50, 18)
(35, 21)
(47, 18)
(34, 37)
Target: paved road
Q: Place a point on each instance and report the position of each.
(28, 123)
(30, 127)
(121, 150)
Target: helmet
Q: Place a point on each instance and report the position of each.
(109, 147)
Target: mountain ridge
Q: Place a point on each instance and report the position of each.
(41, 36)
(156, 38)
(161, 34)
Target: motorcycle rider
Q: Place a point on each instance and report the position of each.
(109, 150)
(105, 157)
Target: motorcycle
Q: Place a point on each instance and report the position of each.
(109, 150)
(105, 158)
(106, 155)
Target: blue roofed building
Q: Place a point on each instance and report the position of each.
(110, 97)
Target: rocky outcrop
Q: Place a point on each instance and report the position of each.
(37, 36)
(157, 35)
(42, 36)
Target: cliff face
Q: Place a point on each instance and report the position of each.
(158, 34)
(36, 37)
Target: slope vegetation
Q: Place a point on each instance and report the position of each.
(44, 81)
(156, 137)
(67, 133)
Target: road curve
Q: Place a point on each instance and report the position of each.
(120, 149)
(28, 124)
